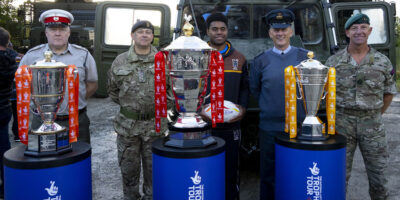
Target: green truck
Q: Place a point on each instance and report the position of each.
(319, 27)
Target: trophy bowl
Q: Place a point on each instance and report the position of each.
(47, 89)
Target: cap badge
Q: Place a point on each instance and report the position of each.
(147, 24)
(56, 18)
(279, 16)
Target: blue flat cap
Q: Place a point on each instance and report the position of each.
(358, 18)
(279, 18)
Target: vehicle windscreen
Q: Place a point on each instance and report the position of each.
(248, 30)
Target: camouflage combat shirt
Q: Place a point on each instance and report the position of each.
(131, 85)
(362, 86)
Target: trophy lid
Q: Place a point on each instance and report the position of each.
(310, 63)
(47, 62)
(187, 41)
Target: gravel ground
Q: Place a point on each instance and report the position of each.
(106, 177)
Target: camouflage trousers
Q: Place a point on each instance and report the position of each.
(134, 153)
(365, 128)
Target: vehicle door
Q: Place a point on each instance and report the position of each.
(113, 24)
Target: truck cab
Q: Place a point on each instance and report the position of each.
(318, 27)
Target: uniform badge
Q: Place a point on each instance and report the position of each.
(279, 16)
(141, 76)
(235, 64)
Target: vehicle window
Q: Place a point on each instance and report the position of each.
(307, 24)
(377, 22)
(238, 19)
(119, 21)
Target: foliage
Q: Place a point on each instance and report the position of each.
(11, 21)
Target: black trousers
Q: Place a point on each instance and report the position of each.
(232, 144)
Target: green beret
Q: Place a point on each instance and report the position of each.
(358, 18)
(142, 24)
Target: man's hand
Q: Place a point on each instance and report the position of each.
(91, 87)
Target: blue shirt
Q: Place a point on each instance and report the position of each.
(267, 85)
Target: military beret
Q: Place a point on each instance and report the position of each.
(358, 18)
(56, 17)
(142, 24)
(216, 17)
(279, 18)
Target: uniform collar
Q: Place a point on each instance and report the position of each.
(368, 59)
(69, 49)
(280, 51)
(133, 57)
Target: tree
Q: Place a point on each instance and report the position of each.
(10, 20)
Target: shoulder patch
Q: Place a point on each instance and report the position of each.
(79, 47)
(259, 55)
(36, 48)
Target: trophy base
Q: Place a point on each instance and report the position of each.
(47, 153)
(196, 137)
(192, 143)
(312, 132)
(48, 143)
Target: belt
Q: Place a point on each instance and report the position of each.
(136, 115)
(358, 112)
(65, 117)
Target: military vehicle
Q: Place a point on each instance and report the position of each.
(319, 27)
(82, 29)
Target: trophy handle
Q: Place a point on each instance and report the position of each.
(323, 97)
(300, 91)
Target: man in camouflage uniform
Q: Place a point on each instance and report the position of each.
(131, 85)
(365, 88)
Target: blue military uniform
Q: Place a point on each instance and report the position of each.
(267, 86)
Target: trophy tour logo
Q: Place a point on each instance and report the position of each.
(52, 192)
(196, 192)
(314, 183)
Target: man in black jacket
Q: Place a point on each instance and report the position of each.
(237, 91)
(8, 67)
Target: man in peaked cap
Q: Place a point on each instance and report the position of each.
(57, 32)
(365, 92)
(267, 86)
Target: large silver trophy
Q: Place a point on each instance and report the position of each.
(47, 89)
(312, 77)
(188, 60)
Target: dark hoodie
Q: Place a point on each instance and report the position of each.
(8, 66)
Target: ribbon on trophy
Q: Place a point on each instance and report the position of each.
(160, 92)
(217, 88)
(331, 100)
(290, 102)
(23, 80)
(73, 102)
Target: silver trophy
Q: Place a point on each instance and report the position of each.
(188, 61)
(311, 79)
(47, 89)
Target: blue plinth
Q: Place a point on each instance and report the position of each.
(66, 176)
(196, 174)
(310, 169)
